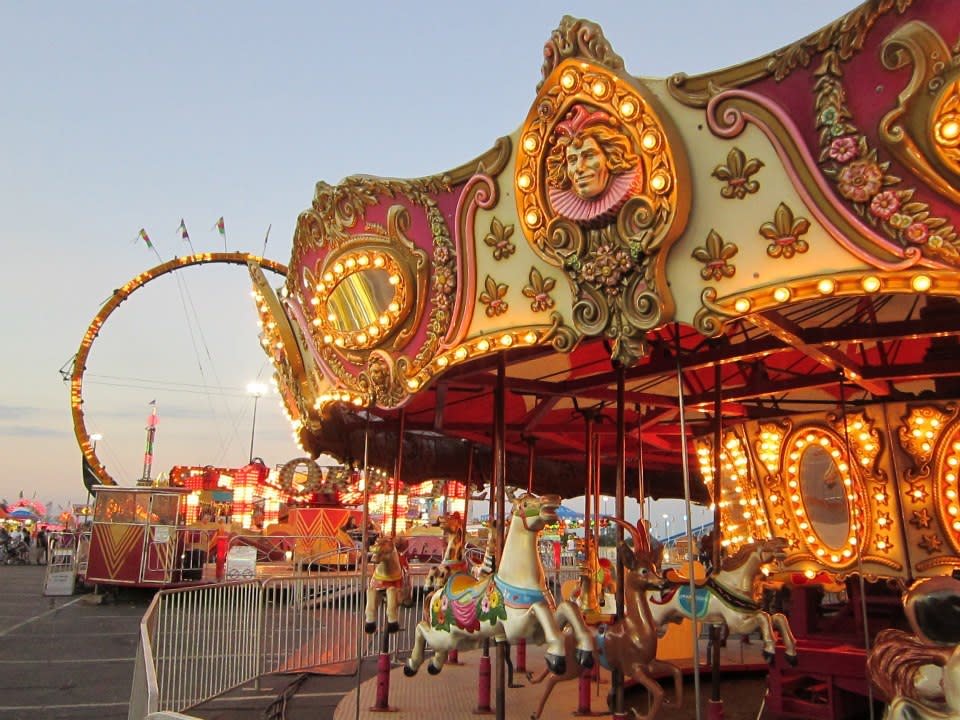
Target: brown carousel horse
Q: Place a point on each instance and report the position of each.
(390, 580)
(455, 532)
(510, 604)
(919, 672)
(630, 644)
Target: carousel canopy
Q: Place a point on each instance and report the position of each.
(771, 239)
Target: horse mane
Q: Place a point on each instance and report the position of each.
(894, 659)
(739, 557)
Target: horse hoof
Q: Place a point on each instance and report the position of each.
(409, 671)
(556, 663)
(585, 659)
(433, 669)
(369, 628)
(768, 657)
(393, 627)
(792, 659)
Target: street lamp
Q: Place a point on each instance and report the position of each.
(666, 539)
(257, 390)
(94, 438)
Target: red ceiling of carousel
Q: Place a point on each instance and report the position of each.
(770, 365)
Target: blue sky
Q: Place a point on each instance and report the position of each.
(119, 115)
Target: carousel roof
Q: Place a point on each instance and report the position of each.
(776, 238)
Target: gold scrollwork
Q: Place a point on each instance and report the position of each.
(923, 130)
(576, 38)
(845, 36)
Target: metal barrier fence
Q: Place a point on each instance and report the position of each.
(200, 642)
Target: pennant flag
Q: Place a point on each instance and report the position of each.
(221, 228)
(265, 238)
(152, 402)
(183, 231)
(142, 235)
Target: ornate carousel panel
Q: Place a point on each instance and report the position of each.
(773, 239)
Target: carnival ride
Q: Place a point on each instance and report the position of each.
(756, 279)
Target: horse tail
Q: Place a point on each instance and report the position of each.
(894, 659)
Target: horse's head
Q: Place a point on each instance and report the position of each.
(772, 550)
(387, 547)
(451, 524)
(536, 511)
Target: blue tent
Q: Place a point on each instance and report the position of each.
(565, 513)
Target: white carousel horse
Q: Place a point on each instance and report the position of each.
(455, 532)
(726, 598)
(630, 644)
(510, 604)
(389, 580)
(920, 672)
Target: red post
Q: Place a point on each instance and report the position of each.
(715, 710)
(521, 655)
(383, 684)
(483, 687)
(583, 696)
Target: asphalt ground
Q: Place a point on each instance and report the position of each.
(72, 658)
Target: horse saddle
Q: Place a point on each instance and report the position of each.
(680, 576)
(461, 585)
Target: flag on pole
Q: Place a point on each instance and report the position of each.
(183, 231)
(142, 235)
(221, 228)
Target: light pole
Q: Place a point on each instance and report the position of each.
(94, 438)
(257, 390)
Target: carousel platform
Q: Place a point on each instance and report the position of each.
(453, 693)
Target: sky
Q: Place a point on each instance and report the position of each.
(117, 116)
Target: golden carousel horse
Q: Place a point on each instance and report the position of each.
(455, 532)
(510, 604)
(920, 672)
(390, 580)
(726, 598)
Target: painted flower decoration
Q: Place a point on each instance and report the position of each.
(785, 232)
(607, 268)
(539, 291)
(860, 180)
(499, 239)
(844, 149)
(884, 204)
(444, 280)
(917, 233)
(492, 296)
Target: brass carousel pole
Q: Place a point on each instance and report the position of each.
(715, 707)
(620, 510)
(364, 537)
(383, 662)
(499, 474)
(685, 460)
(860, 536)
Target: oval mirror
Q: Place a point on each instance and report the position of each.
(824, 496)
(359, 299)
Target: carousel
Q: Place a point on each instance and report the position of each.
(741, 285)
(738, 288)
